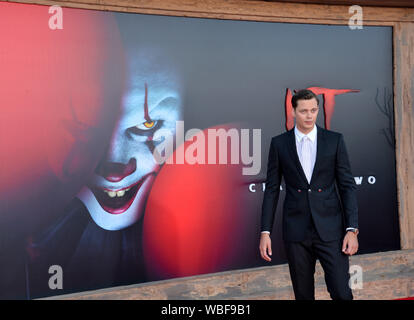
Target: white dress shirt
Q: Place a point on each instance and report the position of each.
(307, 153)
(307, 158)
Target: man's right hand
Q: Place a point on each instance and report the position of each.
(265, 246)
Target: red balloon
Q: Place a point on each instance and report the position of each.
(195, 221)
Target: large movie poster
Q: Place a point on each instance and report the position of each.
(134, 147)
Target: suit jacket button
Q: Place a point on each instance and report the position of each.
(309, 190)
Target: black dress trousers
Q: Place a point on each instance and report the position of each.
(302, 260)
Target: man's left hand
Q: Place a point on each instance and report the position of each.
(350, 244)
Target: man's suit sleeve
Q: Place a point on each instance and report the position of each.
(272, 188)
(346, 185)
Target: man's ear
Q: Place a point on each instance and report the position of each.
(293, 113)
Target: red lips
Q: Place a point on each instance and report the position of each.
(117, 204)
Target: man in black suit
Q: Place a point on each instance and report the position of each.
(317, 223)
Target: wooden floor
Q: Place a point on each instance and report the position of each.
(385, 275)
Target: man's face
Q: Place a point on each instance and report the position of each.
(306, 113)
(116, 196)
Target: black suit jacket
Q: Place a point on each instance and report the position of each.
(329, 197)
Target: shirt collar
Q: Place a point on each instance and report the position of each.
(312, 135)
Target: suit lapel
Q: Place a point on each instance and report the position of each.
(319, 147)
(294, 153)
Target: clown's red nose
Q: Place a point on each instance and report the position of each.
(115, 171)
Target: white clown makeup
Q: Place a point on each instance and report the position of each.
(116, 196)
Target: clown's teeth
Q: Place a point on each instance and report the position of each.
(119, 193)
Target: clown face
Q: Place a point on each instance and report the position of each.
(116, 196)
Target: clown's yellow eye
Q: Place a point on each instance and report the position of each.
(146, 128)
(147, 125)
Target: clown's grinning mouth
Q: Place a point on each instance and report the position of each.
(118, 194)
(117, 202)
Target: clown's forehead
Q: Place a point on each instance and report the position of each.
(148, 88)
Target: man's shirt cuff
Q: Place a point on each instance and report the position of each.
(350, 228)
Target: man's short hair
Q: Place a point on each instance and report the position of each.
(303, 94)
